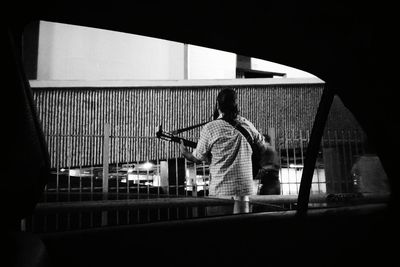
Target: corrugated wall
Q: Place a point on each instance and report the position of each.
(73, 118)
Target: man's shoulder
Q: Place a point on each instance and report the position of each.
(243, 120)
(250, 126)
(214, 124)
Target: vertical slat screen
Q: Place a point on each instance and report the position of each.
(73, 118)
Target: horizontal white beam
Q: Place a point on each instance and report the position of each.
(171, 83)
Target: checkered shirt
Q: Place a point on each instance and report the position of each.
(230, 167)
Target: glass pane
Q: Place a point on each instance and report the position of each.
(100, 118)
(350, 162)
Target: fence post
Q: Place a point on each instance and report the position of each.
(164, 174)
(191, 179)
(272, 135)
(106, 153)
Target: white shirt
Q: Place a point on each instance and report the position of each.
(231, 166)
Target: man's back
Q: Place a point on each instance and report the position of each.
(231, 166)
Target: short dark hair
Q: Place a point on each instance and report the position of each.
(227, 103)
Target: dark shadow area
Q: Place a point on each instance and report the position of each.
(345, 238)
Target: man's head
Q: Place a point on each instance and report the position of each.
(226, 102)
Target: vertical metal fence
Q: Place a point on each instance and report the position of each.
(117, 170)
(338, 152)
(83, 187)
(153, 177)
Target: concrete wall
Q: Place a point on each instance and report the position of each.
(206, 63)
(69, 52)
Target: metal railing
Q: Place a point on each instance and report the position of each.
(160, 176)
(339, 150)
(165, 189)
(80, 215)
(117, 170)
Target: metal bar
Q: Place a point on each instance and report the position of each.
(158, 169)
(301, 148)
(58, 165)
(363, 143)
(204, 177)
(294, 159)
(80, 163)
(176, 177)
(106, 150)
(148, 182)
(186, 179)
(356, 143)
(91, 179)
(332, 180)
(350, 147)
(344, 162)
(147, 160)
(126, 156)
(137, 180)
(195, 178)
(286, 142)
(340, 182)
(166, 170)
(322, 160)
(316, 163)
(279, 150)
(69, 166)
(116, 148)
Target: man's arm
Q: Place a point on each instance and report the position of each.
(187, 154)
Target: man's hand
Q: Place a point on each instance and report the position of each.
(182, 148)
(188, 155)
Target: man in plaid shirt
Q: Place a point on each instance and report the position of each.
(231, 165)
